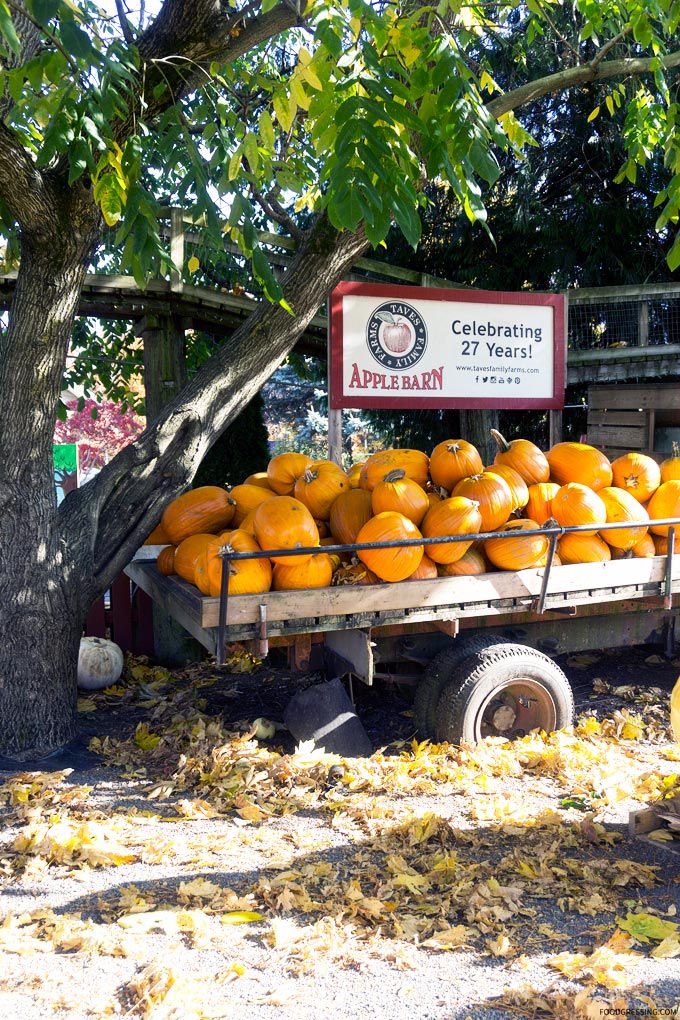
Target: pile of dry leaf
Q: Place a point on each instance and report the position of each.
(253, 869)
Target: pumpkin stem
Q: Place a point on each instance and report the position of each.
(550, 523)
(502, 443)
(309, 476)
(676, 449)
(395, 476)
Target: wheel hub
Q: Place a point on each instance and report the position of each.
(520, 705)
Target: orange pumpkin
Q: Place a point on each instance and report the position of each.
(284, 469)
(320, 485)
(188, 553)
(637, 473)
(622, 507)
(246, 577)
(247, 523)
(665, 503)
(349, 513)
(519, 489)
(205, 509)
(165, 561)
(414, 463)
(259, 478)
(661, 544)
(454, 516)
(539, 504)
(644, 548)
(525, 457)
(397, 492)
(574, 504)
(353, 474)
(472, 562)
(527, 547)
(390, 564)
(247, 498)
(452, 460)
(581, 547)
(316, 572)
(669, 469)
(579, 462)
(493, 495)
(283, 522)
(425, 570)
(556, 561)
(158, 536)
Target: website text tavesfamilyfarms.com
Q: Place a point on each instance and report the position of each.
(518, 370)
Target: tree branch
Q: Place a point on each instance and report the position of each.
(186, 38)
(123, 503)
(584, 74)
(124, 24)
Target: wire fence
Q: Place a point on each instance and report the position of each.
(598, 322)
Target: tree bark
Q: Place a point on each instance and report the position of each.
(475, 425)
(55, 561)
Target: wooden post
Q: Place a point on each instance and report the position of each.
(176, 249)
(165, 371)
(334, 413)
(335, 434)
(643, 324)
(555, 427)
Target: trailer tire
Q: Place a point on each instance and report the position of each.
(503, 691)
(438, 674)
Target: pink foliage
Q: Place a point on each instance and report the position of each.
(100, 438)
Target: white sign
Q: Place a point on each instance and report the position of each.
(425, 347)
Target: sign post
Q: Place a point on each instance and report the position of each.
(417, 347)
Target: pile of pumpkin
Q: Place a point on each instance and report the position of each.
(399, 495)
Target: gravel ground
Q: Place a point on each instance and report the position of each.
(420, 883)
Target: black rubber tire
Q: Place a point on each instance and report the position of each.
(476, 684)
(438, 674)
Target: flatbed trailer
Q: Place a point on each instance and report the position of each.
(478, 648)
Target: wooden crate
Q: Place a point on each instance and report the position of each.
(644, 821)
(624, 417)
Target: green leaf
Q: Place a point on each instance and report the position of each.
(267, 131)
(76, 42)
(80, 159)
(645, 927)
(251, 152)
(344, 209)
(7, 28)
(235, 164)
(44, 10)
(107, 193)
(673, 257)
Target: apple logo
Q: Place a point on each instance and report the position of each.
(395, 334)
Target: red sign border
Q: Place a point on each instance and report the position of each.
(339, 400)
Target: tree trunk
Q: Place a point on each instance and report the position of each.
(55, 561)
(474, 426)
(43, 578)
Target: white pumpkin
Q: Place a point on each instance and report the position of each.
(100, 663)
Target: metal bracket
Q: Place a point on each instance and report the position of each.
(668, 574)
